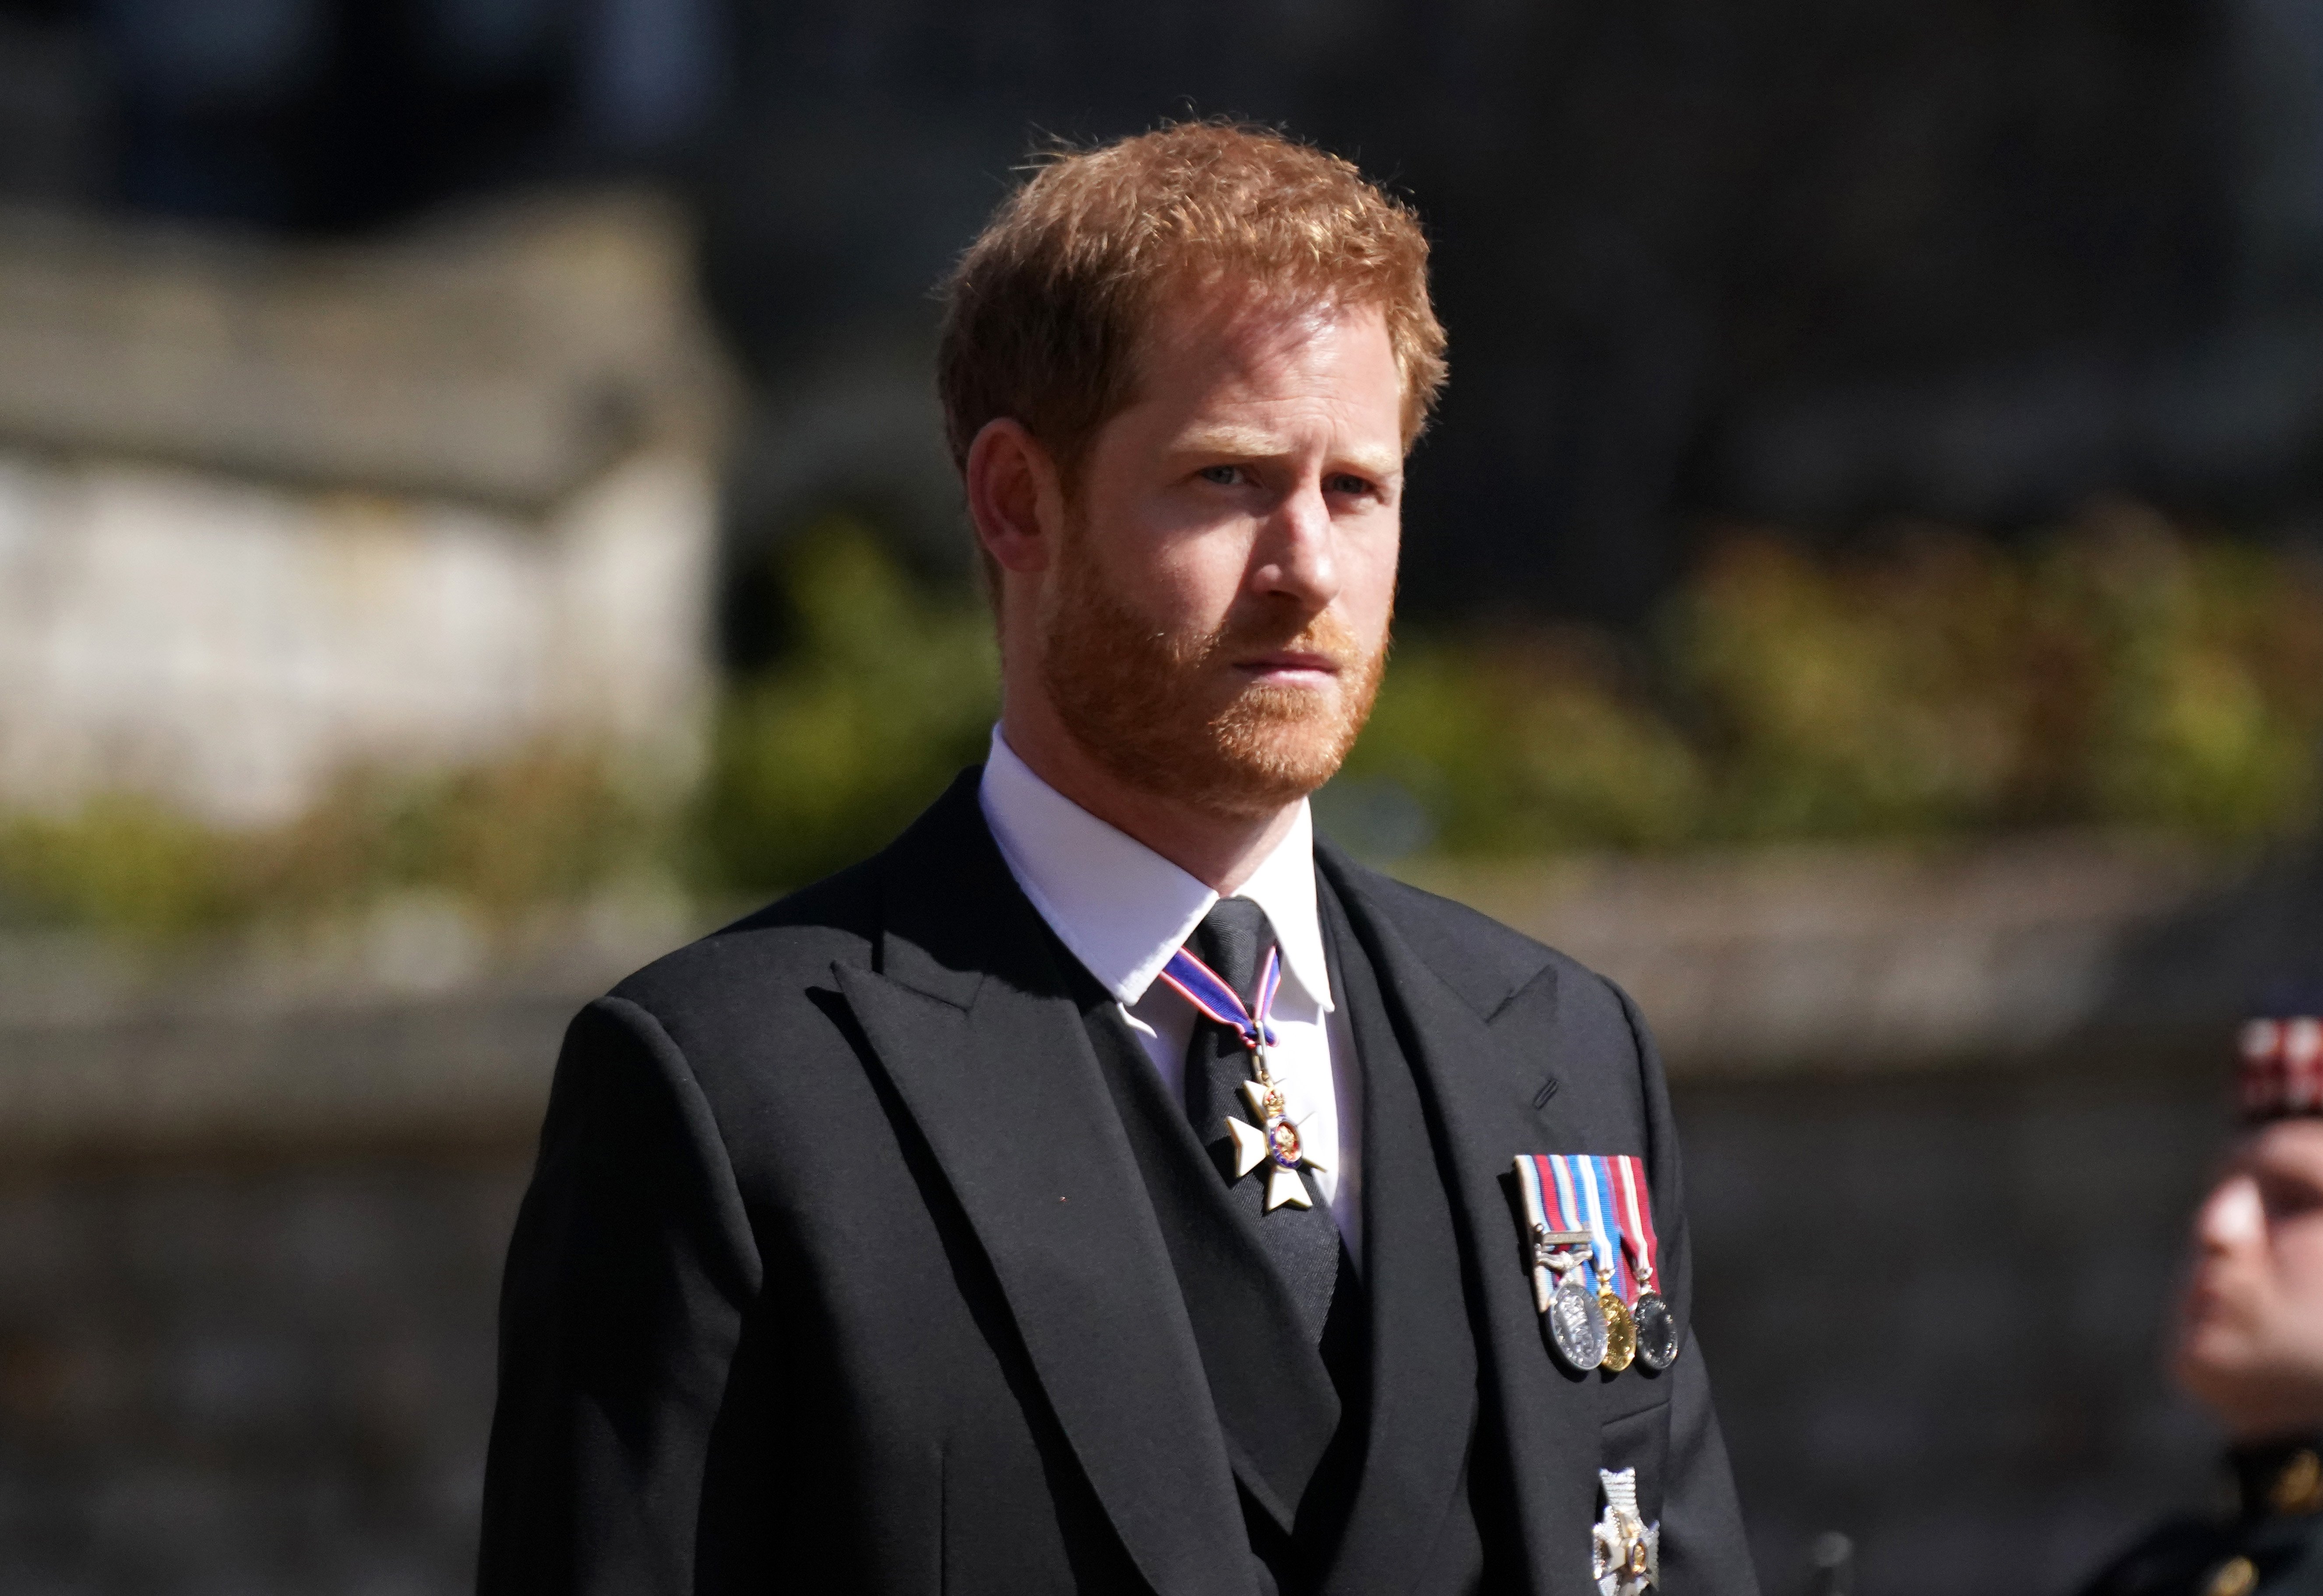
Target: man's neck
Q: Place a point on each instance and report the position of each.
(1221, 851)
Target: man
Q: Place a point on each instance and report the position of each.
(2250, 1341)
(1110, 1186)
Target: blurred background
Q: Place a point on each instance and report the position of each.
(472, 516)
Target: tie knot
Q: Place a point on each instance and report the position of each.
(1233, 939)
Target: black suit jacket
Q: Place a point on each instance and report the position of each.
(838, 1273)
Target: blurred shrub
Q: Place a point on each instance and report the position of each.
(2113, 674)
(543, 826)
(124, 862)
(1513, 746)
(886, 694)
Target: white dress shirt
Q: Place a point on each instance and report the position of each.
(1124, 910)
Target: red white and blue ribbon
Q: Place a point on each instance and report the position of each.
(1550, 1201)
(1207, 990)
(1589, 1173)
(1571, 1192)
(1637, 1207)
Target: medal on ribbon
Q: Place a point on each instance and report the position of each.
(1274, 1139)
(1591, 1174)
(1657, 1326)
(1625, 1555)
(1558, 1251)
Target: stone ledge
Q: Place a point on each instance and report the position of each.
(1853, 960)
(1867, 958)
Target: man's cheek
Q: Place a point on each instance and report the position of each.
(2299, 1272)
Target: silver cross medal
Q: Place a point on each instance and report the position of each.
(1626, 1552)
(1273, 1141)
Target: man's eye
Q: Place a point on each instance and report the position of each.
(1224, 476)
(2288, 1198)
(1345, 484)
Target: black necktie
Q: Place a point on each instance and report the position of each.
(1303, 1243)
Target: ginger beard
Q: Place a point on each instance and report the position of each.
(1166, 712)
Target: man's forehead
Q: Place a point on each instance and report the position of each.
(1204, 318)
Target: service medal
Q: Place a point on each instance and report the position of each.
(1576, 1323)
(1656, 1326)
(1274, 1139)
(1558, 1253)
(1621, 1332)
(1595, 1185)
(1625, 1552)
(1657, 1331)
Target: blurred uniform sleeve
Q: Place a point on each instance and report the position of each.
(630, 1269)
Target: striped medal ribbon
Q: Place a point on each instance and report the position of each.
(1590, 1172)
(1561, 1244)
(1657, 1326)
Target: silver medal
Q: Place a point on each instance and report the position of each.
(1576, 1322)
(1657, 1330)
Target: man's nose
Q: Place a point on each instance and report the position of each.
(1296, 555)
(2232, 1217)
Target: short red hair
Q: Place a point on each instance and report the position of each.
(1043, 315)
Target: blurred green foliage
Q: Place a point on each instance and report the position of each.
(885, 692)
(2115, 673)
(543, 826)
(2111, 675)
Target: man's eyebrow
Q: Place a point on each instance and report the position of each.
(1252, 443)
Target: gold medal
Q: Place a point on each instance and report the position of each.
(1620, 1329)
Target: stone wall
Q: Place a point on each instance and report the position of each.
(270, 511)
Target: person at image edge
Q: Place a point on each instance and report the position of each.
(1109, 1187)
(2249, 1344)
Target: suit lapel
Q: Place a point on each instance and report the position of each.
(1423, 1367)
(1272, 1396)
(1478, 1120)
(970, 1019)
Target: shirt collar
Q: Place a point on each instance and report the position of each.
(1122, 908)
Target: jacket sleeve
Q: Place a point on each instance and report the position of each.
(630, 1269)
(1703, 1549)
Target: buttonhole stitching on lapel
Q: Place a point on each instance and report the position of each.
(1548, 1090)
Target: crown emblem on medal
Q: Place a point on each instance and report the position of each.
(1273, 1141)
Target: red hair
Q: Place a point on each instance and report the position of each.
(1043, 314)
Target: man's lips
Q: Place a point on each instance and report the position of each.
(1291, 665)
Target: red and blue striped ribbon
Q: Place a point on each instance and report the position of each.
(1637, 1209)
(1587, 1192)
(1556, 1201)
(1605, 1222)
(1202, 987)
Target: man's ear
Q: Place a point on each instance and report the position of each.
(1014, 496)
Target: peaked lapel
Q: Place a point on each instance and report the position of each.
(1480, 1121)
(1423, 1350)
(971, 1018)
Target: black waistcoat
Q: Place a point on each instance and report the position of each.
(1357, 1462)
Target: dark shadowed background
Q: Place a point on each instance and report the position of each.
(472, 514)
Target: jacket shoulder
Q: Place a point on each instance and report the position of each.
(1484, 960)
(791, 941)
